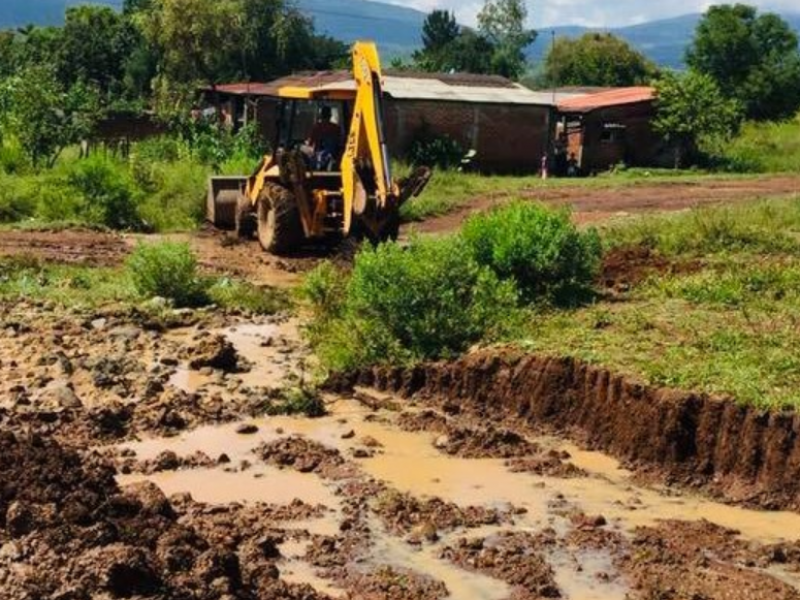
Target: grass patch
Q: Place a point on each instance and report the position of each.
(766, 148)
(28, 278)
(766, 227)
(731, 328)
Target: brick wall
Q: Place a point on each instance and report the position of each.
(507, 138)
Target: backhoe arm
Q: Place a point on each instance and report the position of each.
(366, 154)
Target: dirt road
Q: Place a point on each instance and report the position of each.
(140, 461)
(595, 204)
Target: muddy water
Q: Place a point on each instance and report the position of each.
(409, 462)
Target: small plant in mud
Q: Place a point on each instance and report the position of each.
(539, 248)
(300, 400)
(168, 270)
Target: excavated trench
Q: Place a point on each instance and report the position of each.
(496, 476)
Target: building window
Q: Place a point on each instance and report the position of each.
(612, 133)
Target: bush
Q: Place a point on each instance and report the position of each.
(429, 300)
(169, 270)
(432, 150)
(17, 199)
(109, 195)
(539, 248)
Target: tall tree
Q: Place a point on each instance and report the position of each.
(503, 23)
(693, 114)
(93, 47)
(754, 58)
(439, 29)
(449, 47)
(596, 59)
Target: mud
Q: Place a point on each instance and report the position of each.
(741, 454)
(128, 471)
(627, 266)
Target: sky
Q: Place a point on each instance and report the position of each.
(595, 13)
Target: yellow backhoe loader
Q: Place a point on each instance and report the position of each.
(306, 192)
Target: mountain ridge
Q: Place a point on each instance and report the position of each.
(397, 29)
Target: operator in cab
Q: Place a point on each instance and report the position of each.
(325, 141)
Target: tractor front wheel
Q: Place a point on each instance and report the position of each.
(279, 228)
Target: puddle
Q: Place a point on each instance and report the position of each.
(581, 576)
(462, 585)
(188, 380)
(258, 484)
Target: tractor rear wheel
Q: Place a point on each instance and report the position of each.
(279, 228)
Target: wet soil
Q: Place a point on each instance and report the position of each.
(142, 461)
(601, 203)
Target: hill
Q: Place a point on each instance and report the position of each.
(397, 29)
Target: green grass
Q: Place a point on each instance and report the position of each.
(766, 148)
(27, 278)
(730, 326)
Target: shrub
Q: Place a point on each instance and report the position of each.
(169, 270)
(175, 195)
(429, 300)
(432, 150)
(17, 199)
(109, 195)
(539, 248)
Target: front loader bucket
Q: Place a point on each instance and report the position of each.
(223, 193)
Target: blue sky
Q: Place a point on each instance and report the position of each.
(598, 13)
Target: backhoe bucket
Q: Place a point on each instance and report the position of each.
(223, 193)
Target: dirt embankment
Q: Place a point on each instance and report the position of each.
(742, 454)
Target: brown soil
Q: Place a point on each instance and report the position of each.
(594, 204)
(627, 266)
(75, 383)
(70, 532)
(515, 558)
(745, 454)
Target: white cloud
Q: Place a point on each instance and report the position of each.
(597, 13)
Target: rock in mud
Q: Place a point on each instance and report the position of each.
(213, 351)
(247, 429)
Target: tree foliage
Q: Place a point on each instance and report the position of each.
(496, 48)
(751, 57)
(502, 23)
(596, 59)
(43, 115)
(693, 114)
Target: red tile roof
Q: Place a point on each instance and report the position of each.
(616, 97)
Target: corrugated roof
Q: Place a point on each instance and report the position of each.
(615, 97)
(404, 85)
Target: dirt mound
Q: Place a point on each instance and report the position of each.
(551, 463)
(712, 562)
(304, 455)
(511, 557)
(421, 520)
(71, 532)
(213, 351)
(748, 455)
(392, 583)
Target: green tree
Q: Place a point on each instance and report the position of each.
(439, 29)
(449, 47)
(43, 115)
(502, 23)
(693, 114)
(94, 47)
(596, 59)
(754, 58)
